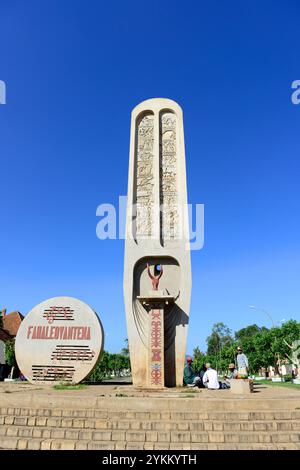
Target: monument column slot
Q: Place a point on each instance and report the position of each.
(156, 172)
(160, 176)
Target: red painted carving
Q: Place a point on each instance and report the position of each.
(156, 355)
(156, 377)
(155, 314)
(55, 312)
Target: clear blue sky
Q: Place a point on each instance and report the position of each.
(74, 69)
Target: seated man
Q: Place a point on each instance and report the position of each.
(210, 378)
(232, 374)
(190, 378)
(201, 374)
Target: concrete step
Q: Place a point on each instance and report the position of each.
(163, 425)
(69, 444)
(22, 396)
(58, 428)
(154, 415)
(176, 437)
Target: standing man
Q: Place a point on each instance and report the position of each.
(190, 378)
(210, 378)
(242, 363)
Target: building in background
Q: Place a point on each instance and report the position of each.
(9, 325)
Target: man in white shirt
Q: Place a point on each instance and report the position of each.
(210, 378)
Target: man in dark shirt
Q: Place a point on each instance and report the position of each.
(190, 378)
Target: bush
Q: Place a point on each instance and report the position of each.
(10, 357)
(108, 365)
(287, 377)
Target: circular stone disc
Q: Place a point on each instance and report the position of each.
(59, 340)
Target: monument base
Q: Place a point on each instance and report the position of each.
(106, 417)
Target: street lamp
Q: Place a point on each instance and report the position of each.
(264, 311)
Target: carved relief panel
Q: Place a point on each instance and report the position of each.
(144, 176)
(168, 176)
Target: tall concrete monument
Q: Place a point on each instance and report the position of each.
(157, 271)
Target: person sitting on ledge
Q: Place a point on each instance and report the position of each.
(190, 378)
(210, 378)
(232, 374)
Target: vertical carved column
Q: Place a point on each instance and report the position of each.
(156, 348)
(144, 177)
(168, 175)
(156, 173)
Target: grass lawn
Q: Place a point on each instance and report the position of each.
(277, 384)
(69, 387)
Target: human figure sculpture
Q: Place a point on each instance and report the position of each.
(155, 279)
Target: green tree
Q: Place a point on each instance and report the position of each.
(108, 364)
(227, 356)
(100, 371)
(250, 330)
(262, 346)
(10, 357)
(125, 350)
(199, 359)
(281, 337)
(220, 337)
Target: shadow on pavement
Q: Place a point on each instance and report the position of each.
(110, 382)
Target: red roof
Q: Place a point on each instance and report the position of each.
(12, 322)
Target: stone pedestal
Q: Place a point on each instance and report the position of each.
(241, 386)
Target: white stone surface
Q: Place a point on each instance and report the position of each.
(59, 340)
(157, 178)
(241, 386)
